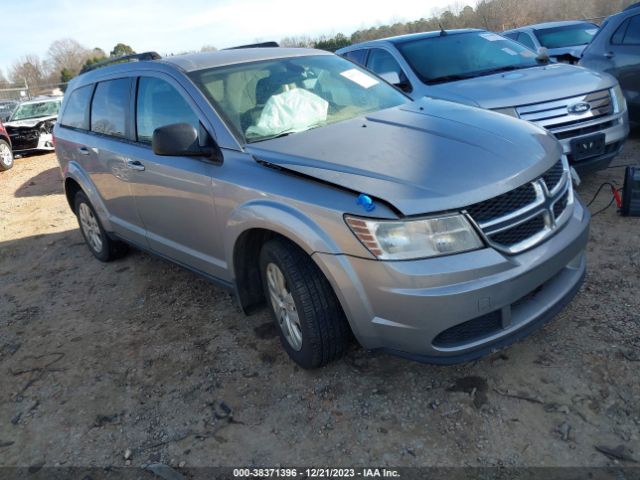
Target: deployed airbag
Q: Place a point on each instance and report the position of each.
(294, 110)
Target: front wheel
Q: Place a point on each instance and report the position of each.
(6, 156)
(313, 328)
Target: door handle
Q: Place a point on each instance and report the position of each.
(609, 55)
(83, 150)
(135, 165)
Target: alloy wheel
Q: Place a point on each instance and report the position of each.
(90, 227)
(284, 306)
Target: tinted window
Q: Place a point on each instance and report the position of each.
(158, 105)
(512, 36)
(567, 36)
(617, 37)
(525, 39)
(357, 56)
(76, 113)
(109, 107)
(632, 37)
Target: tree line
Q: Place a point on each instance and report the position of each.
(65, 58)
(494, 15)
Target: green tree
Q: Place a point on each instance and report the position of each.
(333, 43)
(66, 74)
(121, 49)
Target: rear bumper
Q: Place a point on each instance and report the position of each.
(457, 308)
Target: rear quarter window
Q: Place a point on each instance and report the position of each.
(109, 107)
(76, 113)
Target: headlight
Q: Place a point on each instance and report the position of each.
(507, 111)
(619, 102)
(403, 240)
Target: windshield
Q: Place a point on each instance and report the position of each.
(458, 56)
(266, 99)
(568, 36)
(36, 110)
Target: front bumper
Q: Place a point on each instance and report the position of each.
(616, 130)
(457, 308)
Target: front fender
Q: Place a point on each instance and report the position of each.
(280, 218)
(74, 171)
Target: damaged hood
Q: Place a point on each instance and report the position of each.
(523, 87)
(421, 157)
(29, 122)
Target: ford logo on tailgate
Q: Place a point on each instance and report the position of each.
(579, 108)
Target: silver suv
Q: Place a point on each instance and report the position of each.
(433, 230)
(585, 110)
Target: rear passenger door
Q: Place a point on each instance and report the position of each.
(174, 195)
(110, 172)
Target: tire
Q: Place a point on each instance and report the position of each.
(103, 248)
(312, 326)
(6, 156)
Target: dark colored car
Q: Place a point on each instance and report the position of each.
(616, 50)
(6, 155)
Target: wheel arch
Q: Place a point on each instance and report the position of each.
(253, 225)
(75, 180)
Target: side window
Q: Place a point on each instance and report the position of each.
(617, 37)
(159, 104)
(76, 113)
(632, 37)
(109, 107)
(380, 61)
(525, 39)
(512, 36)
(357, 56)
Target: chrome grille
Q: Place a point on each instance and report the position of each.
(522, 218)
(574, 116)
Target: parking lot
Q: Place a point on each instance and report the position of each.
(140, 361)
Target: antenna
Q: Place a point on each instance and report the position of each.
(443, 32)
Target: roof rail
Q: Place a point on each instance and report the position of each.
(255, 45)
(136, 57)
(633, 5)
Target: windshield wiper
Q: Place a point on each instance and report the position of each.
(448, 78)
(270, 137)
(284, 134)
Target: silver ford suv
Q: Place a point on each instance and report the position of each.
(430, 229)
(585, 110)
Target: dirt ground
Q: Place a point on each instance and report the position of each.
(139, 355)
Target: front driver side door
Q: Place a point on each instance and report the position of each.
(174, 195)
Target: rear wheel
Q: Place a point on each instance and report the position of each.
(313, 328)
(103, 248)
(6, 156)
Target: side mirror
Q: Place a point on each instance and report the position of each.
(179, 140)
(543, 55)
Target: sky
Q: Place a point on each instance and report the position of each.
(173, 26)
